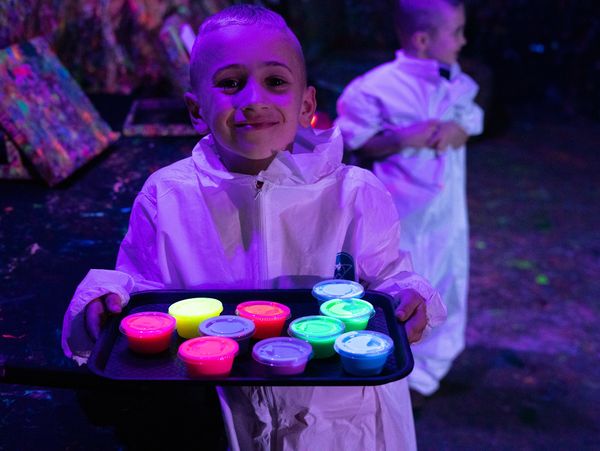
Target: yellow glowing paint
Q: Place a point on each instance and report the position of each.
(189, 313)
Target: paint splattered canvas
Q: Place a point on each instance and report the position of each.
(45, 112)
(11, 164)
(158, 117)
(176, 52)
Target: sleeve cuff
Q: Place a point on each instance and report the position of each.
(75, 341)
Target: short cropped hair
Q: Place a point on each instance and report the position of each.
(244, 14)
(412, 16)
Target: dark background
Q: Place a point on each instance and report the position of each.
(528, 378)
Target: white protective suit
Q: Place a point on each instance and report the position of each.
(428, 188)
(195, 225)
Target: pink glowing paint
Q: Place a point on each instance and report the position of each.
(268, 317)
(208, 356)
(148, 332)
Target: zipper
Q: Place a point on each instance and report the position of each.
(262, 248)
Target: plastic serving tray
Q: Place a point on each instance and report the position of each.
(111, 358)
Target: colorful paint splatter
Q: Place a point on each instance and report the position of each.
(46, 113)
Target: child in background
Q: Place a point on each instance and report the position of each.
(265, 202)
(410, 119)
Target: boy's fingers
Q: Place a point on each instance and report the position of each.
(113, 303)
(408, 304)
(416, 324)
(94, 315)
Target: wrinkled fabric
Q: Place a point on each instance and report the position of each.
(194, 225)
(428, 187)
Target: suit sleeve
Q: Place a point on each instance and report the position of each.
(469, 115)
(359, 115)
(381, 264)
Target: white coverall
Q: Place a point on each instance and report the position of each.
(194, 225)
(428, 188)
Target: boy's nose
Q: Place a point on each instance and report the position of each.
(252, 97)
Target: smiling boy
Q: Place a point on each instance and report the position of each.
(230, 81)
(410, 120)
(265, 202)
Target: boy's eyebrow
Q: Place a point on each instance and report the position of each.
(241, 66)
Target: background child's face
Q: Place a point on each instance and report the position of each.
(445, 44)
(252, 93)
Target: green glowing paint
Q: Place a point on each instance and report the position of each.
(542, 279)
(319, 331)
(355, 313)
(521, 264)
(480, 244)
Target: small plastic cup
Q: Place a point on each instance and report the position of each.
(355, 313)
(319, 331)
(363, 352)
(148, 332)
(282, 356)
(268, 317)
(208, 356)
(231, 326)
(337, 289)
(189, 313)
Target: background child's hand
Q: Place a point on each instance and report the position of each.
(98, 310)
(418, 134)
(413, 312)
(448, 134)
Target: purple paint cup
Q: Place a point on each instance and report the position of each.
(282, 356)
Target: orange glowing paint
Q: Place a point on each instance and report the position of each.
(268, 317)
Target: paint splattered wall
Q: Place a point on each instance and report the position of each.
(108, 45)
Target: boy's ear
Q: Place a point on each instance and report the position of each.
(309, 106)
(420, 42)
(193, 107)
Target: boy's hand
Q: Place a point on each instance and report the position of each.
(448, 134)
(413, 312)
(98, 310)
(418, 134)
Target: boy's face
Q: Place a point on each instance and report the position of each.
(446, 42)
(252, 92)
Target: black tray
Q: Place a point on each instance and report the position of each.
(112, 359)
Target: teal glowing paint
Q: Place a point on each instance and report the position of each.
(22, 106)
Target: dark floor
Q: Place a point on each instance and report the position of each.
(528, 380)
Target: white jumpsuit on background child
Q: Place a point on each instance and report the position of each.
(195, 225)
(428, 188)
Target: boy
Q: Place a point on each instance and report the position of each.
(264, 202)
(412, 124)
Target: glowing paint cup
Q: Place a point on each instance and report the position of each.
(355, 313)
(231, 326)
(337, 289)
(282, 356)
(319, 331)
(208, 356)
(363, 352)
(189, 313)
(268, 317)
(148, 332)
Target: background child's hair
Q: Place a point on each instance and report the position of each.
(411, 16)
(243, 15)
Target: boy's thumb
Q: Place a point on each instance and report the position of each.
(113, 303)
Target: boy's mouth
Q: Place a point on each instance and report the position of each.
(258, 125)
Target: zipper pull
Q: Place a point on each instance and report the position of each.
(259, 185)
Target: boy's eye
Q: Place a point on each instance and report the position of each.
(228, 84)
(276, 82)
